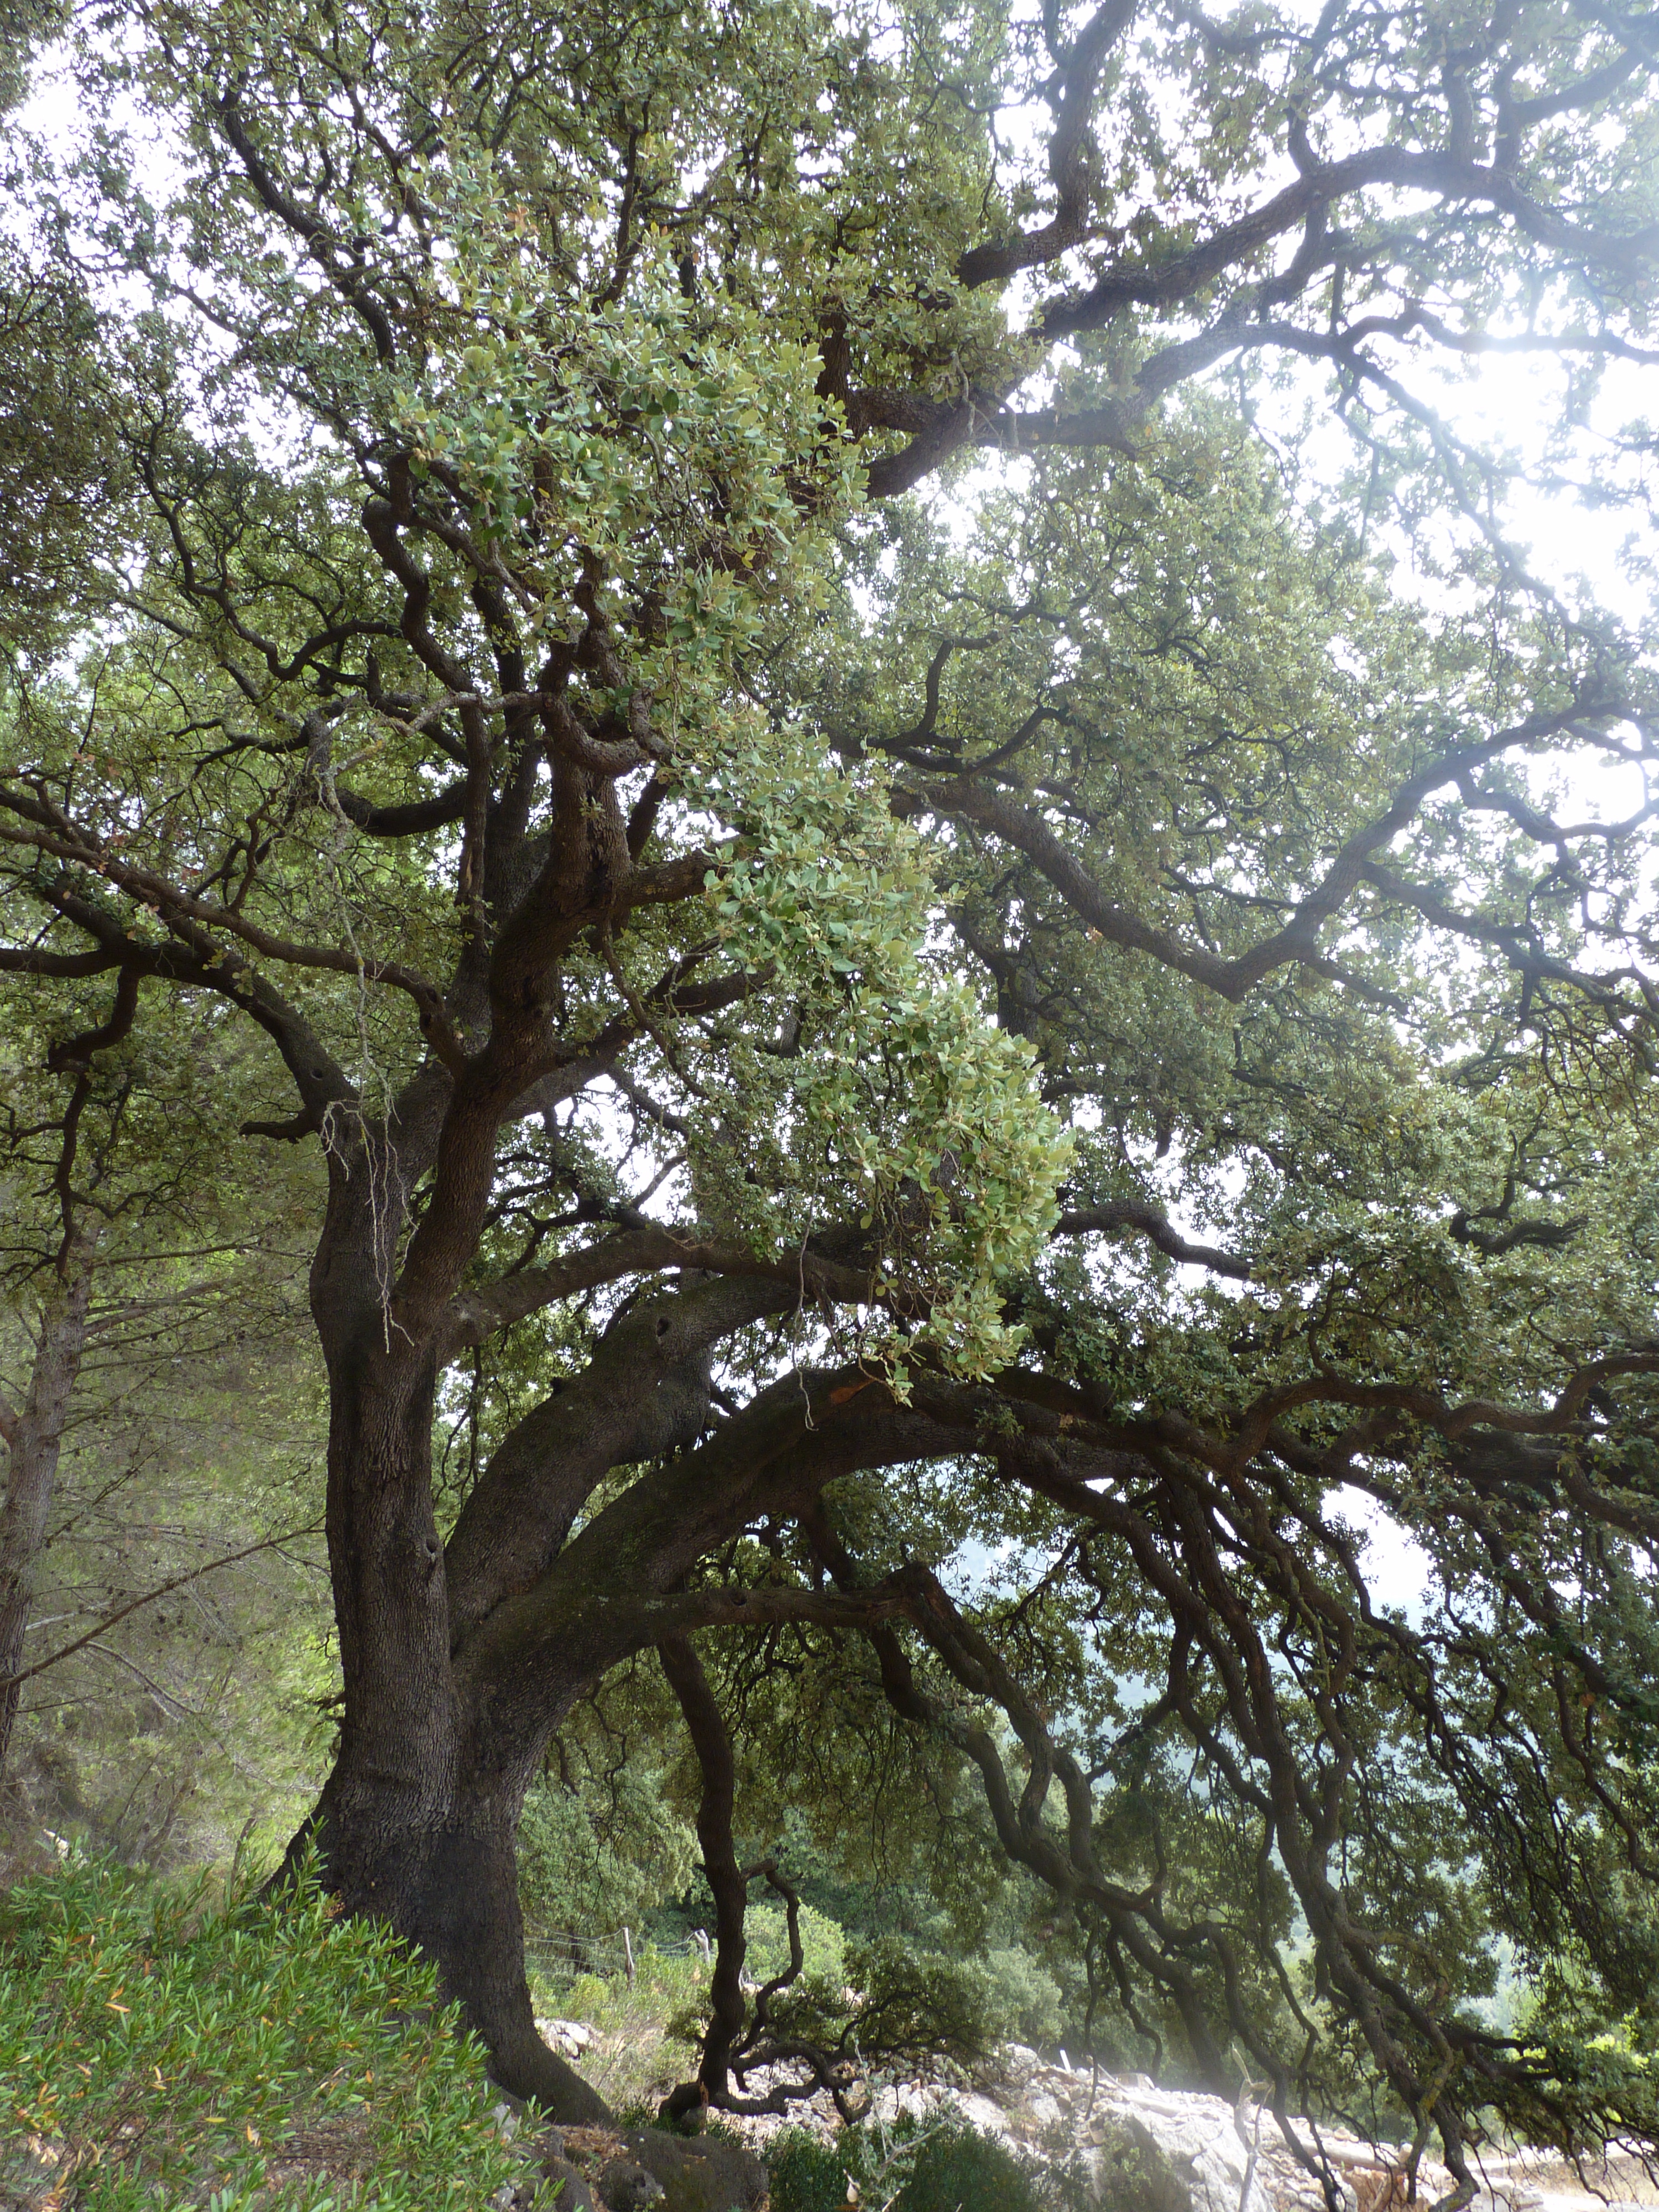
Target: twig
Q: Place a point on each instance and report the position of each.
(150, 1597)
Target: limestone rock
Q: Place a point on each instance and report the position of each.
(571, 2039)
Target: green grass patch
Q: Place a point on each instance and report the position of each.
(163, 2046)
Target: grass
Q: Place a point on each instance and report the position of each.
(641, 2047)
(163, 2046)
(646, 2032)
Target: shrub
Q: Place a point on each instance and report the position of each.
(824, 1944)
(160, 2047)
(807, 2175)
(957, 2170)
(918, 2005)
(941, 2164)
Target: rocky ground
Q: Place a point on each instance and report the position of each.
(1146, 2149)
(636, 2170)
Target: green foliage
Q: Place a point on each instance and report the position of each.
(183, 1569)
(937, 2166)
(1022, 2003)
(905, 2005)
(824, 1944)
(158, 2044)
(954, 2167)
(595, 1858)
(940, 2165)
(512, 412)
(911, 1113)
(643, 2027)
(59, 464)
(806, 2173)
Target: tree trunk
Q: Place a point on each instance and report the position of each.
(416, 1824)
(457, 1666)
(451, 1887)
(35, 1437)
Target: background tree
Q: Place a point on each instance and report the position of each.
(155, 1388)
(33, 1429)
(660, 860)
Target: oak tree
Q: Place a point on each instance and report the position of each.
(853, 862)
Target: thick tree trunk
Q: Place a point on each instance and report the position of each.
(416, 1824)
(457, 1666)
(451, 1885)
(35, 1437)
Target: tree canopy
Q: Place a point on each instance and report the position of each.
(833, 698)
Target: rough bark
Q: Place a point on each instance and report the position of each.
(442, 1869)
(458, 1664)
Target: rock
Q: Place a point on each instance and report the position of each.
(1377, 2188)
(1127, 2172)
(627, 2186)
(982, 2113)
(574, 2193)
(917, 2100)
(1124, 2144)
(531, 2195)
(1041, 2111)
(698, 2175)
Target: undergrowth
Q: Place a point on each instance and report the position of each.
(161, 2046)
(913, 2166)
(640, 2049)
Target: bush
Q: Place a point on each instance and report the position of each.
(160, 2047)
(917, 2006)
(824, 1945)
(947, 2167)
(939, 2165)
(807, 2175)
(957, 2170)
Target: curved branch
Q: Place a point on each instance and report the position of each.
(49, 832)
(728, 2010)
(1297, 942)
(1145, 1221)
(478, 1314)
